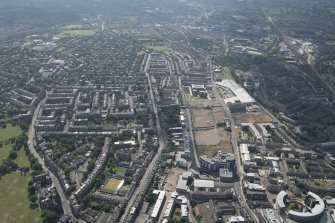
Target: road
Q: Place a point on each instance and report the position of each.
(151, 167)
(31, 135)
(238, 186)
(189, 140)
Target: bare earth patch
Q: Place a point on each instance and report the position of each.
(210, 140)
(202, 118)
(255, 118)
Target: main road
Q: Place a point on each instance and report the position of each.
(238, 186)
(151, 167)
(31, 138)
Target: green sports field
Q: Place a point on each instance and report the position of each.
(111, 185)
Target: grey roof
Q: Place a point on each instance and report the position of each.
(280, 199)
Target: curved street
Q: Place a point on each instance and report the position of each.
(31, 144)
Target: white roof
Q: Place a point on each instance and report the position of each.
(253, 186)
(236, 219)
(244, 148)
(184, 212)
(169, 207)
(159, 202)
(204, 183)
(246, 157)
(280, 199)
(275, 163)
(182, 183)
(240, 93)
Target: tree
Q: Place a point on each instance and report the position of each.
(12, 155)
(31, 190)
(36, 166)
(32, 198)
(49, 216)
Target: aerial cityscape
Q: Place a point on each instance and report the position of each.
(167, 111)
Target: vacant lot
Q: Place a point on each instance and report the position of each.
(202, 118)
(187, 90)
(218, 114)
(212, 150)
(203, 103)
(208, 141)
(255, 118)
(14, 202)
(207, 137)
(172, 179)
(111, 185)
(192, 98)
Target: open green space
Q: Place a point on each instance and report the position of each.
(161, 49)
(121, 170)
(37, 48)
(73, 26)
(76, 32)
(176, 217)
(254, 53)
(14, 202)
(111, 185)
(4, 151)
(131, 18)
(60, 49)
(295, 206)
(192, 98)
(5, 134)
(9, 132)
(323, 183)
(21, 159)
(331, 42)
(239, 17)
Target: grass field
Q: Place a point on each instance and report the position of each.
(111, 185)
(60, 49)
(9, 132)
(176, 214)
(37, 48)
(72, 27)
(121, 170)
(21, 159)
(4, 151)
(331, 42)
(192, 98)
(161, 49)
(14, 203)
(255, 53)
(239, 17)
(75, 32)
(131, 18)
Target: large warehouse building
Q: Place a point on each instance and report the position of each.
(238, 98)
